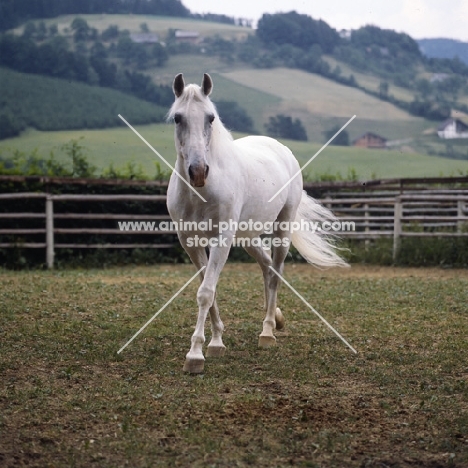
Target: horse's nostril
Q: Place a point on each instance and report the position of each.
(190, 172)
(207, 169)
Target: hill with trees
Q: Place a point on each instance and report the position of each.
(384, 64)
(444, 49)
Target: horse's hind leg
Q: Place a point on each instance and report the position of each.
(267, 338)
(274, 317)
(216, 346)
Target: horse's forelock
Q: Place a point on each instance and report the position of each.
(191, 93)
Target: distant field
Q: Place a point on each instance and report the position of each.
(120, 145)
(317, 94)
(156, 24)
(116, 146)
(370, 82)
(322, 104)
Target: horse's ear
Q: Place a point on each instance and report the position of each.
(207, 84)
(178, 85)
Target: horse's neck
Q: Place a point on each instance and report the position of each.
(221, 145)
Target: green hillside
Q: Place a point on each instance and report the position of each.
(55, 104)
(118, 146)
(322, 103)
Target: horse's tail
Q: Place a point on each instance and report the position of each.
(315, 244)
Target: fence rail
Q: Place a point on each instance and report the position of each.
(375, 215)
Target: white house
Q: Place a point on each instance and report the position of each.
(452, 128)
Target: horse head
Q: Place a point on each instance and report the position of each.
(193, 114)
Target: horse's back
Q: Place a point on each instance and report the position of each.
(267, 150)
(268, 166)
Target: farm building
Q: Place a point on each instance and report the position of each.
(452, 128)
(144, 38)
(370, 140)
(187, 36)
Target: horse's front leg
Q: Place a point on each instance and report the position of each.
(195, 361)
(199, 258)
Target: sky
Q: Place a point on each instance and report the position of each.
(418, 18)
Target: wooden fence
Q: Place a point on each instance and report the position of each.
(435, 213)
(441, 213)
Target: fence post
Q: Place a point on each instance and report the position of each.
(460, 213)
(366, 223)
(50, 232)
(398, 212)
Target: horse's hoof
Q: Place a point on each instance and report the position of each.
(266, 341)
(215, 351)
(279, 319)
(194, 366)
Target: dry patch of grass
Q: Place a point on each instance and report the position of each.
(67, 398)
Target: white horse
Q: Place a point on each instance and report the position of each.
(237, 178)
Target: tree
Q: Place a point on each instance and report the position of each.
(112, 32)
(282, 126)
(99, 51)
(299, 30)
(159, 52)
(234, 117)
(342, 139)
(81, 167)
(10, 126)
(383, 90)
(424, 88)
(30, 30)
(81, 29)
(125, 48)
(53, 30)
(41, 31)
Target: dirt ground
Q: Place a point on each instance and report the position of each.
(67, 398)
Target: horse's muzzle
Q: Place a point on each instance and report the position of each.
(198, 174)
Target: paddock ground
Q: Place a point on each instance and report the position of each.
(67, 399)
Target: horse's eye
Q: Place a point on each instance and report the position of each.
(211, 117)
(177, 118)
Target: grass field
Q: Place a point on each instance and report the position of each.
(118, 146)
(51, 103)
(322, 103)
(369, 81)
(67, 399)
(319, 95)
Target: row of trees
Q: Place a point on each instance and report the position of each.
(91, 65)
